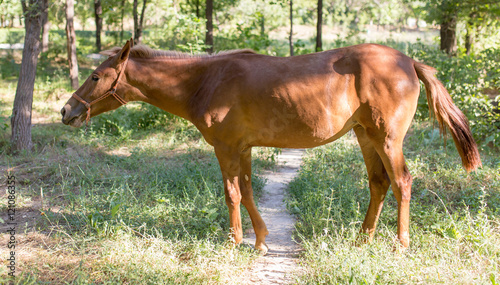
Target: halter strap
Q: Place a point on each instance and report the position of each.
(111, 91)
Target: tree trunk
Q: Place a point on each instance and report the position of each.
(209, 37)
(469, 36)
(197, 3)
(141, 21)
(121, 21)
(138, 21)
(290, 38)
(71, 44)
(468, 40)
(23, 102)
(319, 27)
(448, 34)
(45, 26)
(98, 24)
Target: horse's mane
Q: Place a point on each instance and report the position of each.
(142, 51)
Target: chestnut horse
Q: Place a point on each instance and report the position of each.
(240, 99)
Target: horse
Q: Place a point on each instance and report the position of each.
(240, 99)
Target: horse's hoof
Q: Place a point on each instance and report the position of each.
(363, 239)
(401, 246)
(262, 248)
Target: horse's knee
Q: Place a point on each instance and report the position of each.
(233, 195)
(404, 185)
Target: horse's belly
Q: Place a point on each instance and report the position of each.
(300, 134)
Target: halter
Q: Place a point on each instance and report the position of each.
(111, 92)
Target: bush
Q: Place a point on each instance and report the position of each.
(466, 78)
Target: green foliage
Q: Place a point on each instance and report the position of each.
(466, 88)
(182, 32)
(10, 10)
(479, 19)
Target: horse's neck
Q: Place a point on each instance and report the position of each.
(167, 84)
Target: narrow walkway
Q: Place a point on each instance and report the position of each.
(281, 260)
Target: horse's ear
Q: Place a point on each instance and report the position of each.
(124, 53)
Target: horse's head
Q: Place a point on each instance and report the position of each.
(100, 92)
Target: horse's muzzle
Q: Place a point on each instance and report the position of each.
(70, 118)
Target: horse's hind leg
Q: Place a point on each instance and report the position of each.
(386, 133)
(389, 146)
(247, 200)
(378, 181)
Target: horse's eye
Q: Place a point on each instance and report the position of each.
(95, 77)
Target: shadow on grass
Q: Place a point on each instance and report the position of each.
(147, 181)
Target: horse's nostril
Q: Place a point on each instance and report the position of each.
(63, 112)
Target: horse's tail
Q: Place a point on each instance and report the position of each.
(447, 114)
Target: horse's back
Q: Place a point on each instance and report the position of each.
(307, 100)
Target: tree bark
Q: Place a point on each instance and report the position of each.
(448, 34)
(98, 24)
(197, 3)
(209, 37)
(45, 26)
(469, 36)
(141, 21)
(319, 27)
(138, 21)
(23, 102)
(290, 38)
(71, 44)
(121, 21)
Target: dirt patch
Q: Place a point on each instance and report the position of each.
(281, 260)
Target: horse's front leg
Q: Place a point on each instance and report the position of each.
(247, 200)
(229, 161)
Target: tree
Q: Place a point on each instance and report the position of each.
(138, 21)
(121, 19)
(98, 23)
(290, 38)
(209, 37)
(448, 13)
(319, 27)
(196, 4)
(45, 25)
(71, 44)
(23, 101)
(10, 9)
(448, 29)
(481, 18)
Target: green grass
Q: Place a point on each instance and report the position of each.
(137, 199)
(454, 227)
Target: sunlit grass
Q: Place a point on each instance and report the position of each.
(454, 227)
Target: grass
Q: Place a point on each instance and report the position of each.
(137, 199)
(455, 224)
